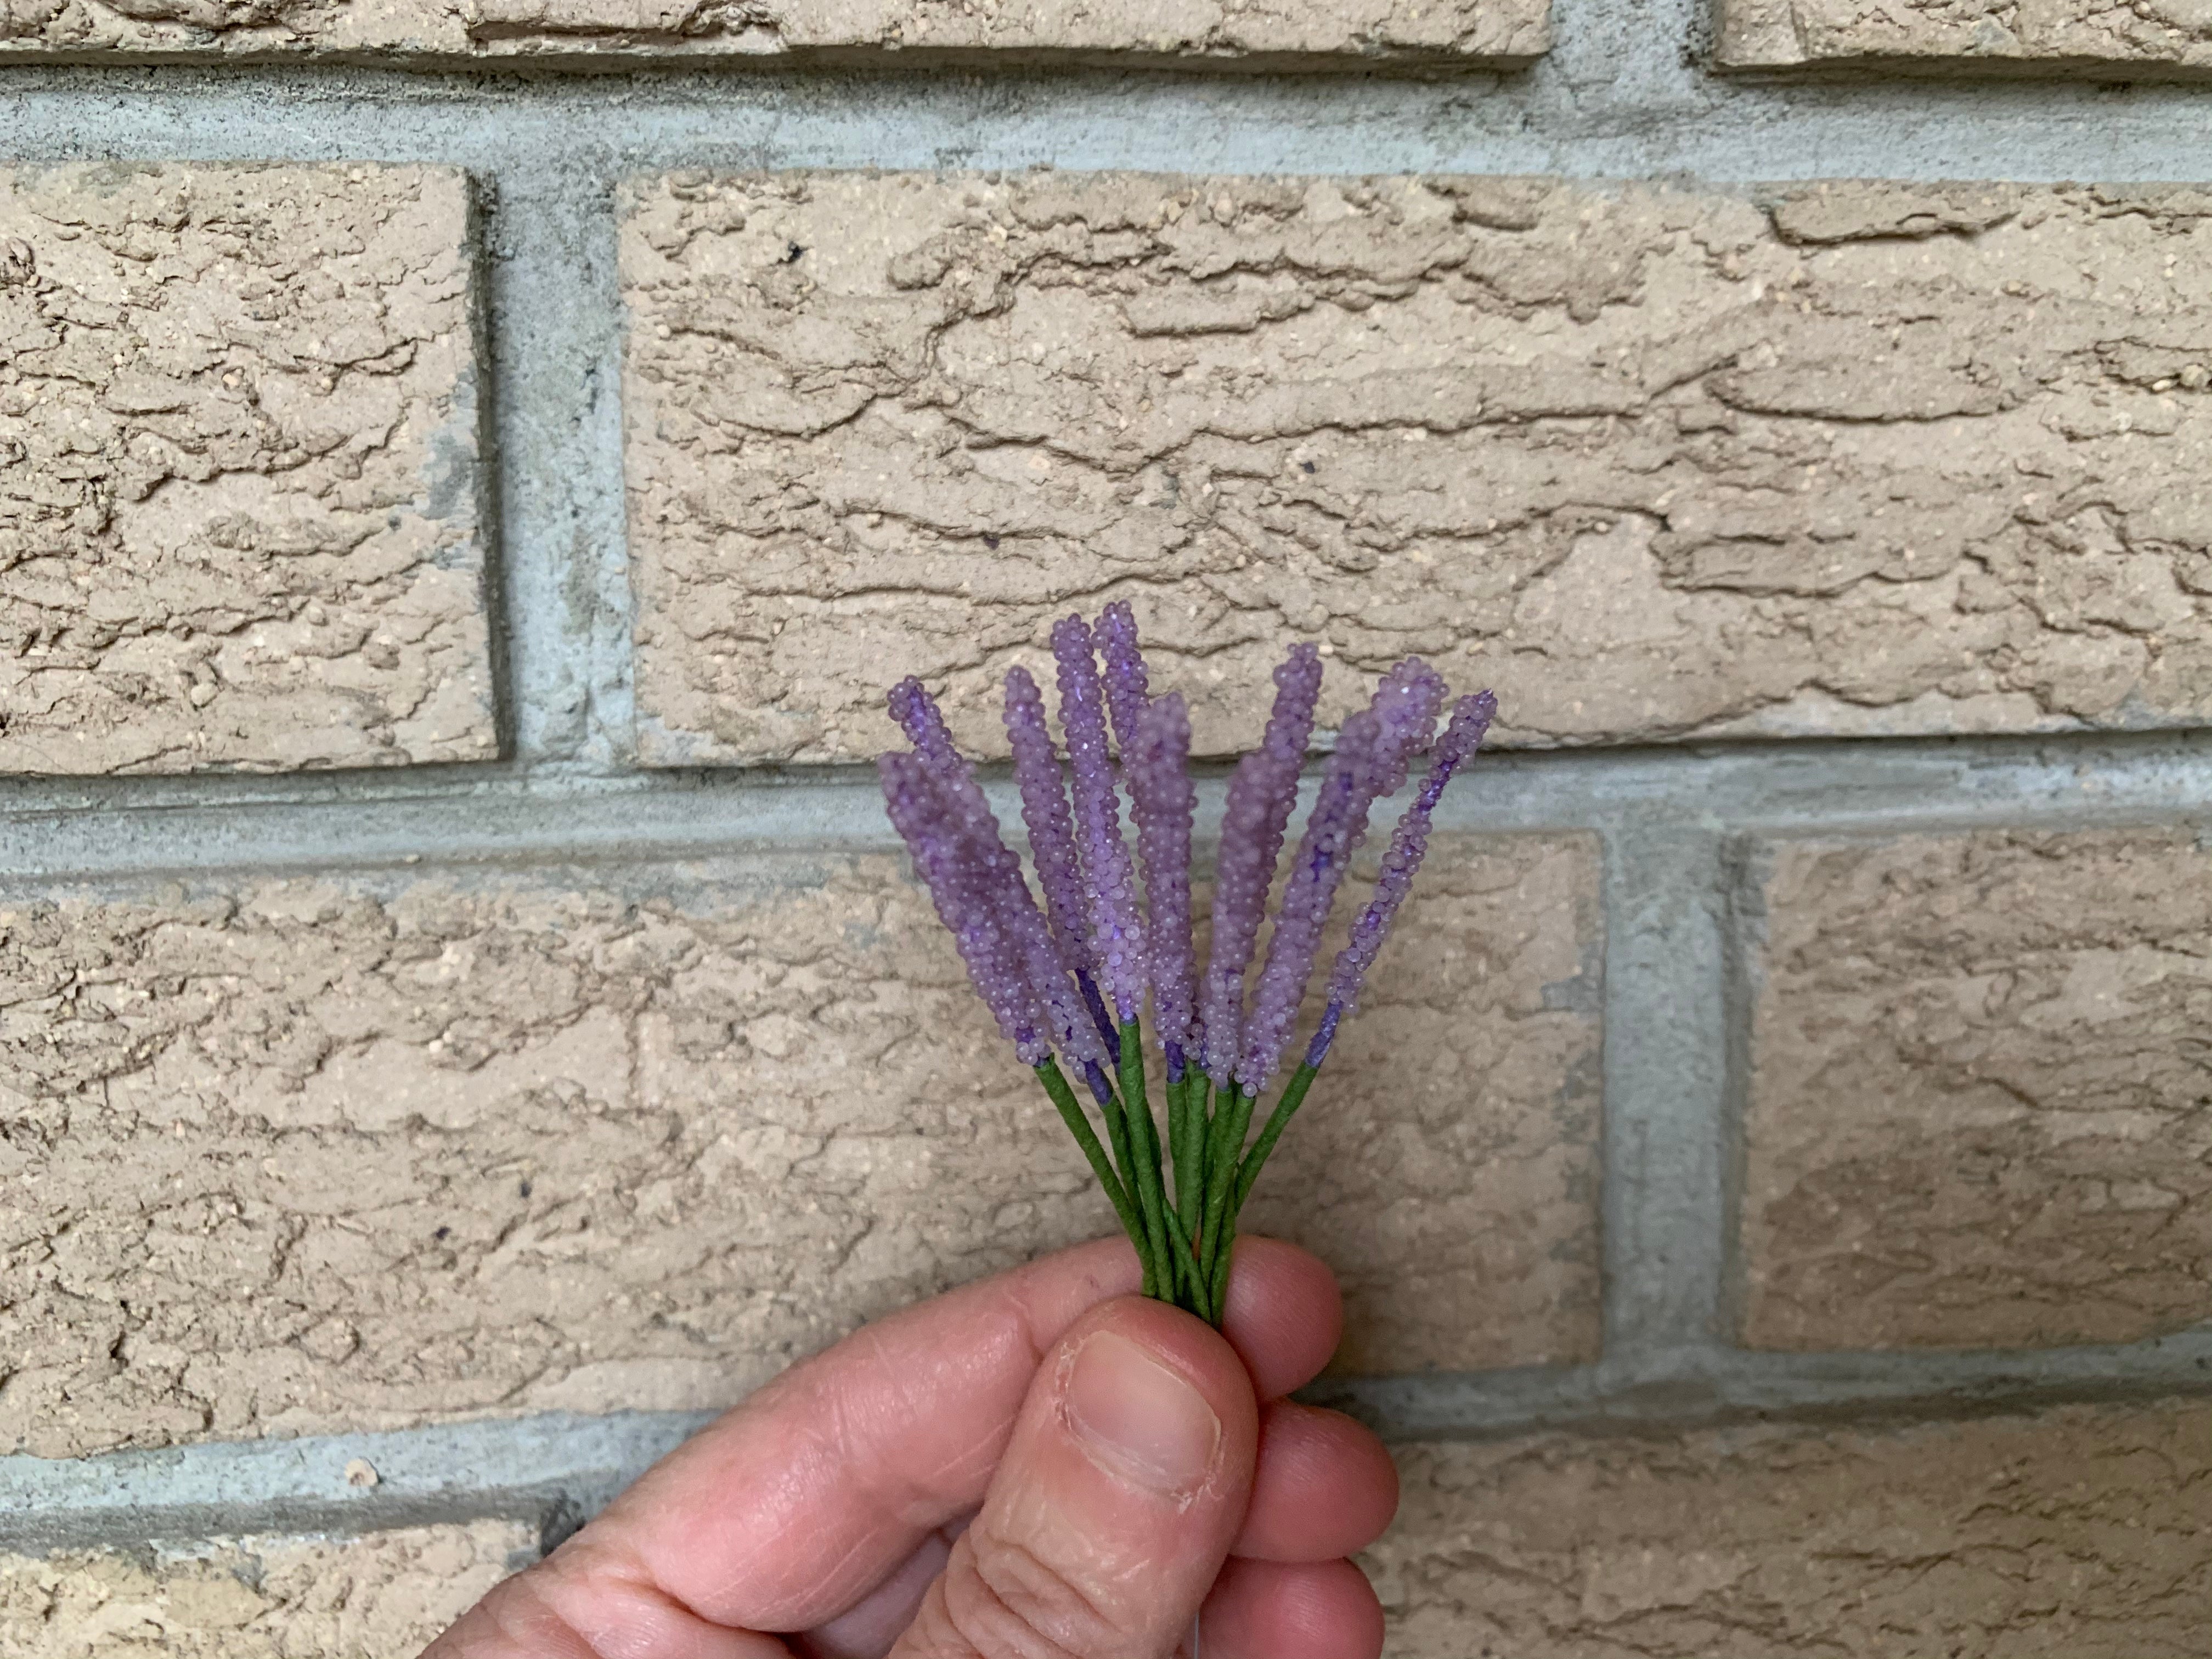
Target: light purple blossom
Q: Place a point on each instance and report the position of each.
(1073, 1023)
(1406, 702)
(969, 815)
(1052, 838)
(923, 722)
(960, 887)
(1115, 933)
(1339, 811)
(1128, 687)
(1409, 842)
(1262, 793)
(1162, 802)
(984, 877)
(1373, 754)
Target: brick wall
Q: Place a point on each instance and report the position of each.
(462, 1017)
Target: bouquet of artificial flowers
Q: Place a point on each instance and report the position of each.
(1070, 980)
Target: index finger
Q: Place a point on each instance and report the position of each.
(793, 1506)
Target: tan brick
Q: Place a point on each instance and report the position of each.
(2076, 1532)
(1656, 463)
(2070, 35)
(238, 469)
(358, 1152)
(384, 1595)
(1361, 31)
(1978, 1112)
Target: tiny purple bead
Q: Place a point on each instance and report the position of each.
(1262, 792)
(1111, 877)
(1409, 843)
(1157, 768)
(1128, 685)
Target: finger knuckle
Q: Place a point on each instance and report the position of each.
(1002, 1600)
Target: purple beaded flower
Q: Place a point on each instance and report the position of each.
(1068, 981)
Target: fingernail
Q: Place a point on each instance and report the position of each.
(1140, 1420)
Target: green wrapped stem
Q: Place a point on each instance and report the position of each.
(1216, 1289)
(1184, 1242)
(1149, 1190)
(1078, 1124)
(1225, 1140)
(1190, 1148)
(1125, 1154)
(1294, 1094)
(1191, 1297)
(1177, 1128)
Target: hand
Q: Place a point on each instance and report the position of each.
(1043, 1466)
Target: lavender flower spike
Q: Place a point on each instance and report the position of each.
(1333, 829)
(1409, 842)
(1112, 879)
(1052, 839)
(1073, 1025)
(1373, 753)
(1406, 702)
(1162, 802)
(923, 722)
(987, 870)
(959, 885)
(1262, 793)
(1128, 687)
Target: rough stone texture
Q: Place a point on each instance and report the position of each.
(238, 469)
(2077, 1532)
(376, 1598)
(1498, 32)
(306, 1155)
(1866, 458)
(1980, 1109)
(1950, 35)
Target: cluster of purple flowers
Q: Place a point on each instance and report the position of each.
(1069, 980)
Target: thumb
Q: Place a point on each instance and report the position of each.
(1115, 1504)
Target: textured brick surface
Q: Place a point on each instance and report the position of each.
(2078, 1532)
(238, 469)
(1359, 31)
(1980, 1112)
(1866, 458)
(378, 1597)
(303, 1155)
(2069, 34)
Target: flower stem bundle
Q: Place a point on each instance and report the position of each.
(1068, 981)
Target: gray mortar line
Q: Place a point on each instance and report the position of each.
(98, 827)
(555, 368)
(1614, 100)
(1660, 1197)
(1715, 1385)
(550, 1471)
(554, 1471)
(1742, 896)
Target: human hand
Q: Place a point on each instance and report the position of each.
(1043, 1466)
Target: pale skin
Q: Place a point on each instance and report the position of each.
(1042, 1466)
